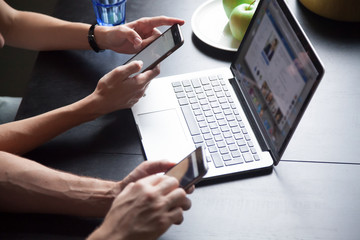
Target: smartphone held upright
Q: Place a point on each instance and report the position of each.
(159, 49)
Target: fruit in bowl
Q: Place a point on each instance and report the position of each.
(229, 5)
(348, 11)
(240, 18)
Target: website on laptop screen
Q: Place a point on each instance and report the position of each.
(276, 72)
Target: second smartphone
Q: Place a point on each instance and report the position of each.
(191, 169)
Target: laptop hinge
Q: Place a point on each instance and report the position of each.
(254, 124)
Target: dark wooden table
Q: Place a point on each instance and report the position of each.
(312, 194)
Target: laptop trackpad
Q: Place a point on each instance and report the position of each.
(164, 136)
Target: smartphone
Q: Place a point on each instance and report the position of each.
(191, 169)
(159, 49)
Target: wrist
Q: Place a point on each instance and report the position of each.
(94, 38)
(91, 107)
(105, 232)
(93, 197)
(101, 36)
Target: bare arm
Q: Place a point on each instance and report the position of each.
(114, 91)
(40, 32)
(21, 136)
(144, 210)
(27, 186)
(36, 31)
(145, 205)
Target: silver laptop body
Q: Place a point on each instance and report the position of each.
(244, 115)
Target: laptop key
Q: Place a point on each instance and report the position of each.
(248, 157)
(178, 89)
(218, 138)
(198, 139)
(202, 124)
(190, 120)
(212, 78)
(204, 81)
(210, 143)
(197, 112)
(212, 149)
(186, 83)
(223, 151)
(196, 83)
(253, 150)
(176, 84)
(180, 95)
(217, 160)
(183, 101)
(233, 147)
(244, 149)
(226, 157)
(188, 89)
(234, 161)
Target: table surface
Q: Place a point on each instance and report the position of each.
(311, 194)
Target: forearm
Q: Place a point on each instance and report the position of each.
(27, 186)
(40, 32)
(113, 92)
(24, 135)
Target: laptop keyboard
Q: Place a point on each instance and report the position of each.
(214, 121)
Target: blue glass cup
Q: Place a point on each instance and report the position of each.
(110, 12)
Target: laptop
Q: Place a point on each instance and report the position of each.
(245, 115)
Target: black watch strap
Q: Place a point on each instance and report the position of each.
(91, 39)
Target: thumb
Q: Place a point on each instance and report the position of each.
(132, 67)
(133, 37)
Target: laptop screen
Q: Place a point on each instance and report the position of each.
(277, 71)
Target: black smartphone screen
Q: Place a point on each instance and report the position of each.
(160, 48)
(190, 170)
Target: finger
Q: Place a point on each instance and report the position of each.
(153, 167)
(130, 68)
(145, 77)
(151, 37)
(148, 75)
(176, 215)
(133, 37)
(152, 179)
(167, 185)
(163, 20)
(142, 92)
(177, 198)
(147, 168)
(141, 81)
(190, 190)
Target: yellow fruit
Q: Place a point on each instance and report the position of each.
(348, 10)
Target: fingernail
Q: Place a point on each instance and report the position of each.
(138, 41)
(140, 62)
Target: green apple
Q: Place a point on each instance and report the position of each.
(240, 18)
(229, 5)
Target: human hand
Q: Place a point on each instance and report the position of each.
(131, 37)
(144, 209)
(148, 168)
(116, 90)
(145, 169)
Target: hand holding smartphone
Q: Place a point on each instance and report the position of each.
(191, 169)
(159, 49)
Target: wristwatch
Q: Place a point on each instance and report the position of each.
(91, 39)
